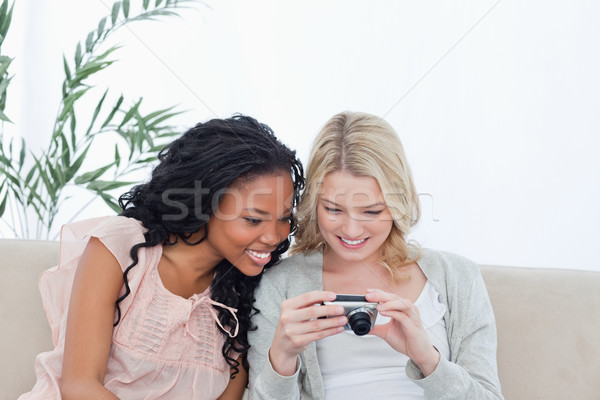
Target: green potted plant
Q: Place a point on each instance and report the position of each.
(32, 185)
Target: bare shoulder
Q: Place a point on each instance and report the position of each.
(98, 266)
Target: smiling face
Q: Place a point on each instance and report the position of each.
(353, 217)
(253, 217)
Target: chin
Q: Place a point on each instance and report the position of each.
(250, 271)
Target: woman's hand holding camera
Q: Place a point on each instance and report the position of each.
(405, 332)
(300, 323)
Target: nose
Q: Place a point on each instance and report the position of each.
(352, 227)
(273, 234)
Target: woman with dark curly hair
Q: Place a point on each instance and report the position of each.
(156, 303)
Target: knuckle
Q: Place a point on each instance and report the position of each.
(296, 342)
(285, 304)
(288, 332)
(284, 318)
(315, 312)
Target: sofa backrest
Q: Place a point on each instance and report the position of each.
(25, 331)
(548, 323)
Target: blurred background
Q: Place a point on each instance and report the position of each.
(497, 102)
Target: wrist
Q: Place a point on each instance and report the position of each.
(429, 365)
(284, 365)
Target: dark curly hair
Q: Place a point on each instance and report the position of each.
(216, 154)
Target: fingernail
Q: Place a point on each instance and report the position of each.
(339, 310)
(370, 290)
(343, 320)
(331, 296)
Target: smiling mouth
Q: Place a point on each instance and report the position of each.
(352, 242)
(259, 257)
(259, 254)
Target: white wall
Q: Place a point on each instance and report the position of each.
(496, 101)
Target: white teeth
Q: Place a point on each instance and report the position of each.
(352, 242)
(258, 254)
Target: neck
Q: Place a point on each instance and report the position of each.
(187, 269)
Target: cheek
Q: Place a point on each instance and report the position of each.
(284, 231)
(383, 227)
(325, 222)
(235, 233)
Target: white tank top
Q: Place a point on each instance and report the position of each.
(366, 367)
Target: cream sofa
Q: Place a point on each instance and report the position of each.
(548, 325)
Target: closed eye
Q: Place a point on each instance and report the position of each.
(252, 221)
(375, 212)
(332, 210)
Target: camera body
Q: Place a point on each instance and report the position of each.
(361, 314)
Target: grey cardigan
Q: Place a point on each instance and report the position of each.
(471, 372)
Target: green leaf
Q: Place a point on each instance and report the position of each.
(22, 154)
(90, 68)
(164, 117)
(89, 42)
(3, 9)
(145, 5)
(33, 195)
(3, 204)
(66, 66)
(117, 156)
(101, 186)
(157, 3)
(3, 117)
(92, 175)
(78, 55)
(6, 19)
(130, 113)
(147, 160)
(77, 164)
(115, 12)
(107, 52)
(16, 194)
(49, 187)
(66, 151)
(68, 103)
(111, 203)
(126, 8)
(30, 175)
(12, 178)
(73, 122)
(56, 173)
(112, 113)
(96, 111)
(101, 26)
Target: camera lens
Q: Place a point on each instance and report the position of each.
(360, 323)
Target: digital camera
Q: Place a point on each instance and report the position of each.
(360, 313)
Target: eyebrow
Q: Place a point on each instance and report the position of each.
(369, 206)
(263, 212)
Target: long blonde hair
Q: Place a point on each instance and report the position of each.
(363, 145)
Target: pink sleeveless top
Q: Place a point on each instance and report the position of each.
(164, 347)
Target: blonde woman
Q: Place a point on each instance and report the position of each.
(434, 333)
